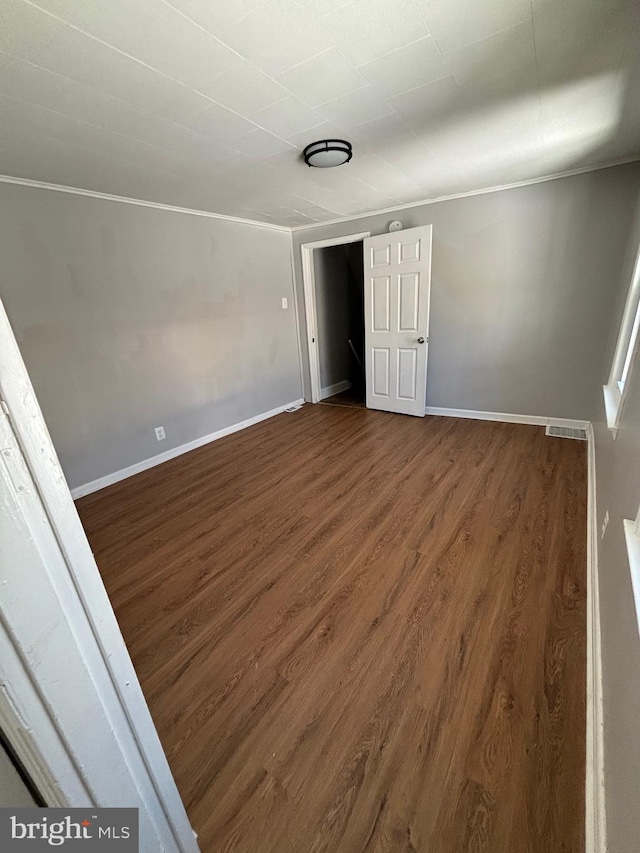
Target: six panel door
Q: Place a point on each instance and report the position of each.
(397, 283)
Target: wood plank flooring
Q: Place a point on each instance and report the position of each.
(359, 631)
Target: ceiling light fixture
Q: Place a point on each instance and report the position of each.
(327, 153)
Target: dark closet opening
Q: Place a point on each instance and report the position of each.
(339, 286)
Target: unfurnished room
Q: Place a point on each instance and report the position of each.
(320, 426)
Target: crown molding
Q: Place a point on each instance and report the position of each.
(42, 185)
(408, 205)
(60, 188)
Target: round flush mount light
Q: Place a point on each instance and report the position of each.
(327, 153)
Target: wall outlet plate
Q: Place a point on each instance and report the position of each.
(160, 433)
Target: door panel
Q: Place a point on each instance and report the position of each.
(409, 298)
(381, 372)
(380, 256)
(380, 300)
(410, 251)
(407, 364)
(397, 269)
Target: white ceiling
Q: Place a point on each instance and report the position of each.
(207, 104)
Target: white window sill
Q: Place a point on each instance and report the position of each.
(612, 400)
(633, 550)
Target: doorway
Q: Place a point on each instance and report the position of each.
(339, 282)
(374, 290)
(333, 278)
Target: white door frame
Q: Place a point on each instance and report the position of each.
(70, 703)
(310, 313)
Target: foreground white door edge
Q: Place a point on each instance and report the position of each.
(70, 702)
(397, 285)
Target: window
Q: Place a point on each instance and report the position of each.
(632, 539)
(615, 389)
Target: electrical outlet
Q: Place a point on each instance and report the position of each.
(285, 303)
(160, 434)
(605, 522)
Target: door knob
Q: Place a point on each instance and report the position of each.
(420, 340)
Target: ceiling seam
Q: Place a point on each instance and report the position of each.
(274, 78)
(244, 59)
(162, 73)
(441, 54)
(107, 130)
(142, 109)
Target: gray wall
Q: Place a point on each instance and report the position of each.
(130, 317)
(332, 314)
(618, 491)
(521, 291)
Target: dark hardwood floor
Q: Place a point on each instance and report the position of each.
(359, 631)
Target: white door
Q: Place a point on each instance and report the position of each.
(397, 284)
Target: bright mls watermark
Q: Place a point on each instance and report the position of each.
(102, 830)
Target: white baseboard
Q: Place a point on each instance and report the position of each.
(145, 464)
(535, 420)
(338, 388)
(595, 818)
